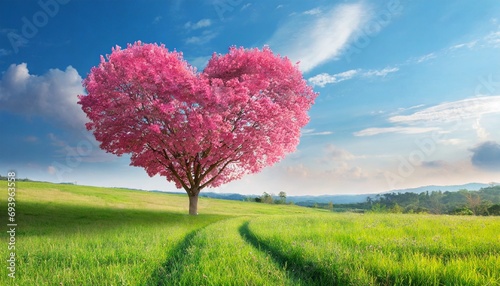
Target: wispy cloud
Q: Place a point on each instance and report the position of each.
(203, 23)
(397, 129)
(204, 38)
(403, 109)
(493, 39)
(323, 79)
(246, 6)
(314, 42)
(468, 45)
(381, 73)
(425, 58)
(314, 11)
(206, 34)
(452, 111)
(312, 132)
(452, 141)
(429, 119)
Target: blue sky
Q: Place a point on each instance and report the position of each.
(409, 90)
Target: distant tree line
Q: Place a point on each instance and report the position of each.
(268, 198)
(485, 202)
(4, 178)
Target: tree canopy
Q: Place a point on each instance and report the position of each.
(243, 112)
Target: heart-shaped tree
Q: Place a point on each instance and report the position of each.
(242, 113)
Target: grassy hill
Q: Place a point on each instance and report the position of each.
(77, 235)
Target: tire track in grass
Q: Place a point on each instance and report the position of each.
(218, 255)
(300, 270)
(161, 275)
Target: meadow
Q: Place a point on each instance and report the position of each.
(78, 235)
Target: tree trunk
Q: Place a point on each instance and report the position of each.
(193, 204)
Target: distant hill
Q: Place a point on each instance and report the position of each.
(336, 199)
(222, 196)
(352, 199)
(454, 188)
(309, 200)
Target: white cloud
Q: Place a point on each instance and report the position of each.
(409, 108)
(52, 96)
(311, 132)
(245, 6)
(314, 42)
(314, 11)
(323, 79)
(382, 72)
(425, 58)
(336, 153)
(493, 39)
(430, 119)
(321, 133)
(340, 162)
(203, 23)
(482, 134)
(298, 170)
(377, 112)
(204, 38)
(345, 172)
(451, 141)
(333, 165)
(453, 111)
(468, 45)
(397, 129)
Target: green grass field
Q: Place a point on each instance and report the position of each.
(77, 235)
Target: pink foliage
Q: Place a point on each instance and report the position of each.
(242, 113)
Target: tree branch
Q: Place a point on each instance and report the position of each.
(216, 175)
(189, 174)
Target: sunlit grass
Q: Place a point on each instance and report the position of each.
(71, 241)
(219, 255)
(77, 235)
(388, 249)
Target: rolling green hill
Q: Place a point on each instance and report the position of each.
(77, 235)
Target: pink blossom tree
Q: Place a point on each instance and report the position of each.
(242, 113)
